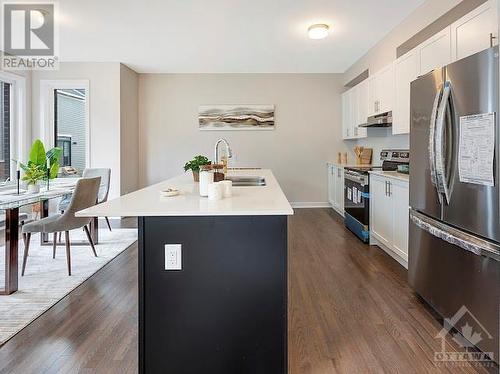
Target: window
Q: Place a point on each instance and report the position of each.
(5, 129)
(70, 126)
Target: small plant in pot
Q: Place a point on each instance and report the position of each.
(35, 170)
(194, 166)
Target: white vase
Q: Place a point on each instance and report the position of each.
(34, 188)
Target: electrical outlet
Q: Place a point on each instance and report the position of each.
(173, 257)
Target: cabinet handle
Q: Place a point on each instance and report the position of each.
(390, 188)
(492, 38)
(338, 173)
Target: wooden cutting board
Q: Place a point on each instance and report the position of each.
(366, 156)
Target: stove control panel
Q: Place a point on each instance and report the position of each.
(395, 155)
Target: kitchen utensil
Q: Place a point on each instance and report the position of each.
(358, 151)
(366, 156)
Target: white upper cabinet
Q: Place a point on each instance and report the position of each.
(435, 52)
(389, 89)
(346, 115)
(351, 108)
(381, 91)
(476, 31)
(362, 114)
(354, 112)
(406, 70)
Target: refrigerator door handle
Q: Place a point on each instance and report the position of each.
(441, 176)
(466, 241)
(432, 140)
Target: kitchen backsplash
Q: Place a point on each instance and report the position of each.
(379, 139)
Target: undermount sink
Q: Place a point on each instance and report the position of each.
(251, 181)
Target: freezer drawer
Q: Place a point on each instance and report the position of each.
(449, 277)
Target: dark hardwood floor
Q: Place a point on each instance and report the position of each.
(350, 311)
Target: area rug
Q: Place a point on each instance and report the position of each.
(46, 280)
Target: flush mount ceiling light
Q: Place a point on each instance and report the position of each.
(318, 31)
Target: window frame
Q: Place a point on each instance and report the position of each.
(47, 111)
(19, 135)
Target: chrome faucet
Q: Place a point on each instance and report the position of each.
(229, 154)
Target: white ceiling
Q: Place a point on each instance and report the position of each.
(223, 36)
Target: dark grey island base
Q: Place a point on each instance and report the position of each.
(226, 310)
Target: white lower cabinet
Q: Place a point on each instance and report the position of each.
(389, 216)
(336, 187)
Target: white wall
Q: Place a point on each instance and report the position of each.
(104, 83)
(308, 126)
(129, 130)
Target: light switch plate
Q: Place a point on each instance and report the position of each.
(173, 257)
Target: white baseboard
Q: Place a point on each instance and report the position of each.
(321, 204)
(396, 256)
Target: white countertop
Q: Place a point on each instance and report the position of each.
(246, 201)
(392, 175)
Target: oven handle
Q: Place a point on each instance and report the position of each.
(355, 178)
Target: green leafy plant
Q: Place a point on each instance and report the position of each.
(196, 162)
(33, 173)
(36, 168)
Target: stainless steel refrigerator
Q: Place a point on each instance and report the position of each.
(454, 248)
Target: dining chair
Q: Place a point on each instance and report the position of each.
(84, 196)
(105, 174)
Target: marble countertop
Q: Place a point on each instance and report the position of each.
(246, 201)
(392, 175)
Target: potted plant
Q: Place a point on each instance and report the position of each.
(194, 166)
(35, 169)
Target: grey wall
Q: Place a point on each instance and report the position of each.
(129, 130)
(308, 126)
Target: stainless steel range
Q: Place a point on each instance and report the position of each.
(357, 191)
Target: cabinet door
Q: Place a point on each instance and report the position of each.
(331, 185)
(400, 198)
(385, 89)
(406, 70)
(354, 111)
(346, 115)
(372, 96)
(381, 210)
(435, 52)
(362, 112)
(475, 31)
(339, 188)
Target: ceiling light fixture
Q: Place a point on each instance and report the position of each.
(318, 31)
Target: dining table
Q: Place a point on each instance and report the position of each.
(11, 201)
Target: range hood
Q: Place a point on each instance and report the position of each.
(379, 120)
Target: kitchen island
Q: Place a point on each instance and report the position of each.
(225, 309)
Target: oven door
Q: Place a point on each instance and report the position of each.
(356, 197)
